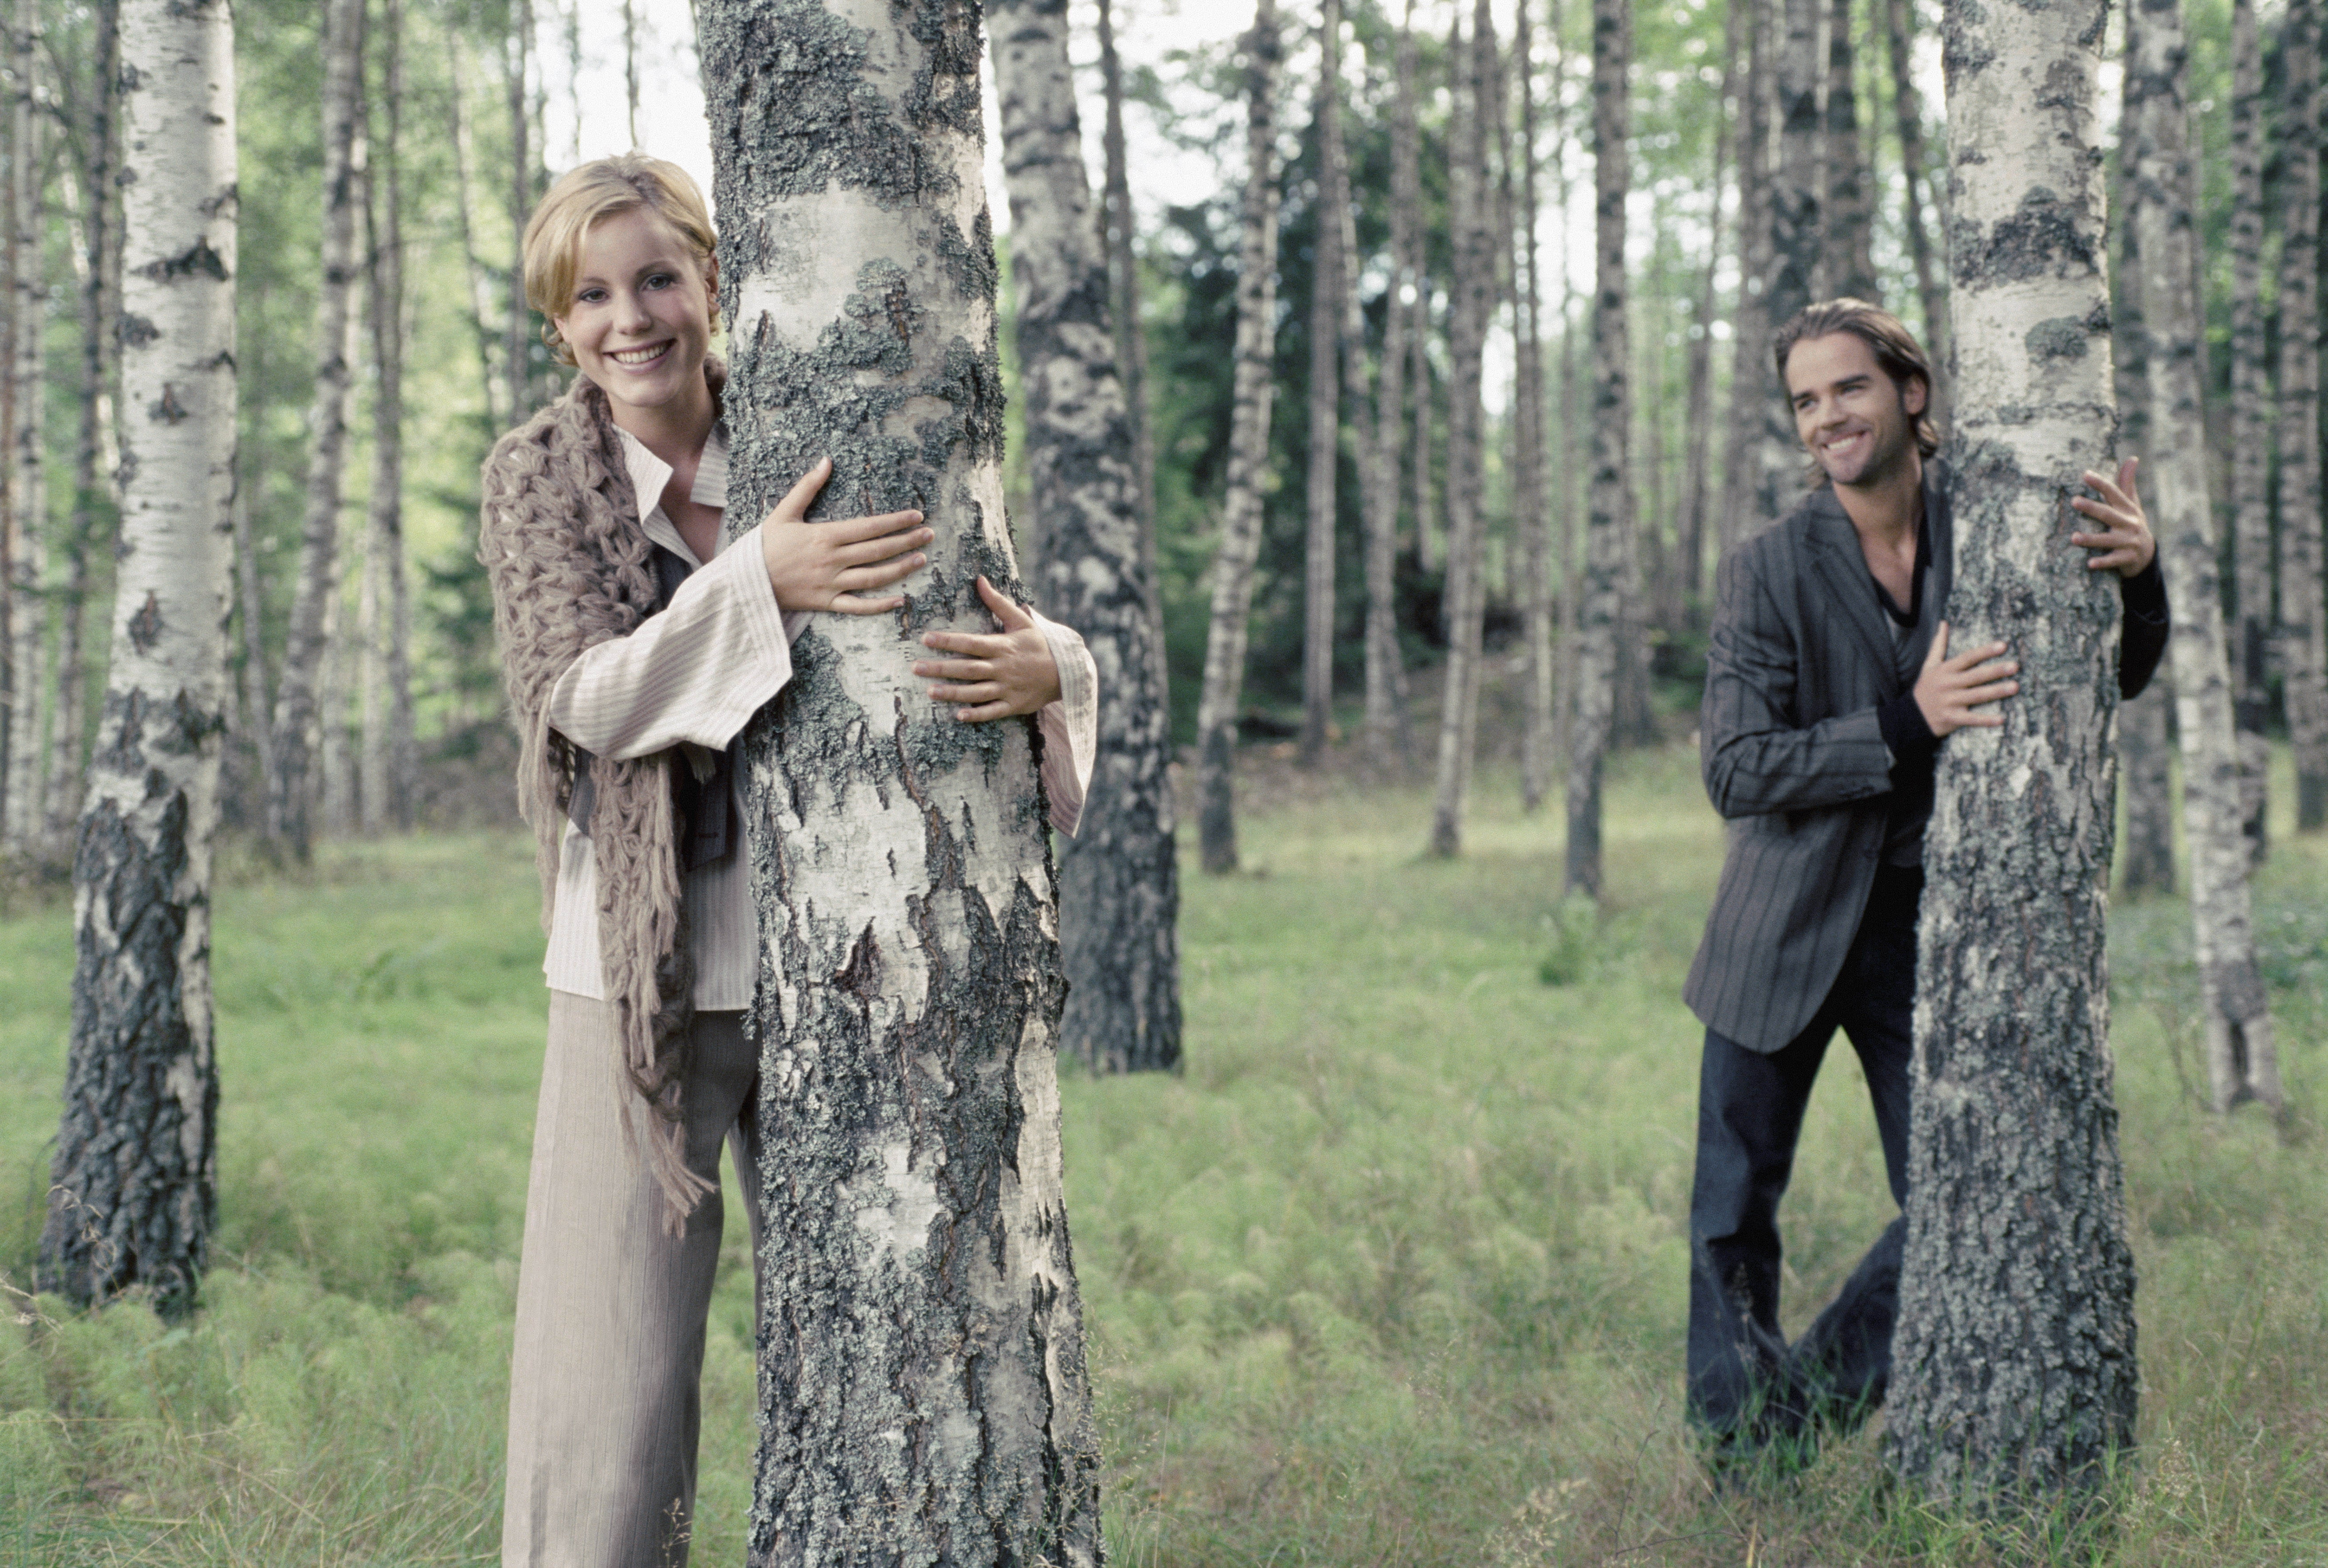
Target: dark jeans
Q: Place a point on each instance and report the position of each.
(1747, 1386)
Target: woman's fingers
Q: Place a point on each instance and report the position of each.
(851, 530)
(977, 644)
(973, 691)
(856, 604)
(798, 499)
(1006, 610)
(887, 547)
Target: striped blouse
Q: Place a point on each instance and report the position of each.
(693, 676)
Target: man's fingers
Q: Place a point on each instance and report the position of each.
(1970, 657)
(1939, 648)
(1973, 697)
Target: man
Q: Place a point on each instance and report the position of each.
(1830, 684)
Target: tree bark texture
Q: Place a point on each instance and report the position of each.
(517, 320)
(1751, 383)
(1119, 879)
(1531, 506)
(1327, 289)
(481, 297)
(297, 682)
(2250, 442)
(1130, 337)
(2304, 638)
(21, 770)
(136, 1171)
(1915, 171)
(1388, 733)
(1607, 520)
(1470, 304)
(2241, 1060)
(1796, 237)
(1690, 531)
(2013, 1368)
(923, 1389)
(1241, 506)
(2146, 861)
(388, 759)
(1849, 206)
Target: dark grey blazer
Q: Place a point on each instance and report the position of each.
(1799, 658)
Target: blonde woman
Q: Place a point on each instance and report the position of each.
(636, 648)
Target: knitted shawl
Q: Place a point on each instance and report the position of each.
(572, 567)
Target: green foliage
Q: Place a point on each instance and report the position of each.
(1573, 938)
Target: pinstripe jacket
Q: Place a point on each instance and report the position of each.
(1792, 756)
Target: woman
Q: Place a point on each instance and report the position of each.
(637, 647)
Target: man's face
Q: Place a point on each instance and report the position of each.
(1856, 421)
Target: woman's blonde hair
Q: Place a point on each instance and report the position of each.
(582, 195)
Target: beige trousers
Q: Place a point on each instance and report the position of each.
(605, 1396)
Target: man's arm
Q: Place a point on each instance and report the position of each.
(2123, 543)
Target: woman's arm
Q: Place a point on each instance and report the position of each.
(1030, 666)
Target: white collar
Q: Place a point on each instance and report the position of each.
(649, 474)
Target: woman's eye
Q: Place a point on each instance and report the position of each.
(590, 296)
(660, 280)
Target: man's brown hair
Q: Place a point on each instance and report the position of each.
(1895, 348)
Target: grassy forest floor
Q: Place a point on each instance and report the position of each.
(1392, 1274)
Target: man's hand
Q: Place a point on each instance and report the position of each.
(1950, 691)
(2125, 544)
(831, 566)
(993, 676)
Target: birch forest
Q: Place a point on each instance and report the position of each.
(1380, 385)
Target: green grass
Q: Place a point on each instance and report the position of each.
(1393, 1275)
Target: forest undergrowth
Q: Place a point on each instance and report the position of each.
(1392, 1274)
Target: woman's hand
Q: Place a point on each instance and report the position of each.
(831, 566)
(992, 676)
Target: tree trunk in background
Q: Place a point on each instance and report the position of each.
(1531, 507)
(1241, 505)
(1430, 544)
(2241, 1060)
(515, 357)
(1850, 206)
(1131, 348)
(1119, 880)
(1797, 236)
(132, 1185)
(631, 69)
(1689, 542)
(1564, 702)
(91, 484)
(2014, 1370)
(288, 805)
(923, 1393)
(2251, 440)
(388, 760)
(335, 769)
(1750, 378)
(480, 293)
(1915, 170)
(2146, 859)
(1328, 283)
(1611, 500)
(23, 756)
(1387, 731)
(1470, 307)
(2303, 654)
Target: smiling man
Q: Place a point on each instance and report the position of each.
(1830, 685)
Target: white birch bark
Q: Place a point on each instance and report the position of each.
(923, 1389)
(388, 761)
(1796, 237)
(1848, 203)
(1388, 733)
(132, 1181)
(1690, 531)
(518, 321)
(297, 683)
(1531, 506)
(2241, 1060)
(1131, 335)
(2251, 440)
(1915, 178)
(1241, 506)
(488, 337)
(1326, 286)
(27, 626)
(2303, 639)
(1600, 600)
(2013, 1366)
(1752, 385)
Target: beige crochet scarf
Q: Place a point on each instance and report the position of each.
(572, 567)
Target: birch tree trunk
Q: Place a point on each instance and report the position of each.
(1797, 236)
(2250, 441)
(1609, 518)
(28, 499)
(1850, 206)
(515, 349)
(1750, 339)
(1915, 172)
(2304, 639)
(1429, 539)
(132, 1185)
(2241, 1061)
(2146, 861)
(1689, 543)
(631, 69)
(1326, 298)
(1388, 733)
(1256, 336)
(1531, 507)
(296, 691)
(2013, 1368)
(1469, 305)
(99, 237)
(388, 761)
(335, 772)
(1119, 879)
(921, 1381)
(480, 299)
(1132, 341)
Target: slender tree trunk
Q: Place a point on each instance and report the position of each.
(2013, 1368)
(1531, 507)
(1796, 238)
(1429, 539)
(2146, 861)
(287, 820)
(1563, 705)
(517, 399)
(1850, 206)
(1469, 307)
(132, 1185)
(1387, 731)
(2241, 1060)
(2303, 655)
(1119, 880)
(2250, 439)
(1132, 346)
(481, 297)
(1750, 378)
(1241, 507)
(1915, 170)
(28, 620)
(1600, 601)
(630, 68)
(388, 761)
(923, 1389)
(336, 792)
(1325, 297)
(1689, 542)
(250, 611)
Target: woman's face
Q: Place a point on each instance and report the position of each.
(640, 321)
